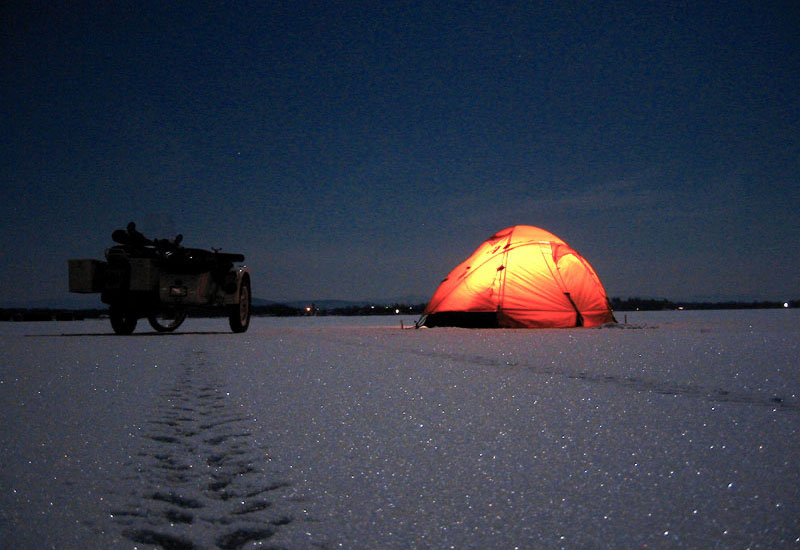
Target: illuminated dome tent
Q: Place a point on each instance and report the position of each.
(522, 277)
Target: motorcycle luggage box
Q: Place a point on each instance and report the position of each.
(86, 276)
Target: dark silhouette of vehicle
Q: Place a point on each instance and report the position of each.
(162, 281)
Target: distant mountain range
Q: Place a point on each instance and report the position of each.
(340, 304)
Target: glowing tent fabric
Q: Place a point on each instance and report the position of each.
(521, 277)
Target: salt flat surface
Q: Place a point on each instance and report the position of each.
(678, 430)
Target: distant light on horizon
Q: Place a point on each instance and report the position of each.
(785, 304)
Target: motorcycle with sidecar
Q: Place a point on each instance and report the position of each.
(162, 281)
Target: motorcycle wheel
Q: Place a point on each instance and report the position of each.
(239, 314)
(123, 320)
(167, 320)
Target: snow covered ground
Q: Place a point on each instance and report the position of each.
(678, 430)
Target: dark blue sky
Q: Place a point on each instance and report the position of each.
(361, 150)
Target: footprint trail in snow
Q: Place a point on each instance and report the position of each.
(201, 482)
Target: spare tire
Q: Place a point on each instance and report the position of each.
(167, 320)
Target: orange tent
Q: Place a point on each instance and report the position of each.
(522, 277)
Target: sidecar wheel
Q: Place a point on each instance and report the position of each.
(123, 320)
(167, 321)
(239, 314)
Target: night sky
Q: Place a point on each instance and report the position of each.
(361, 150)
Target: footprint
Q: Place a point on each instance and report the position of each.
(238, 538)
(164, 540)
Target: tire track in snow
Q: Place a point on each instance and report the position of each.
(198, 481)
(641, 384)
